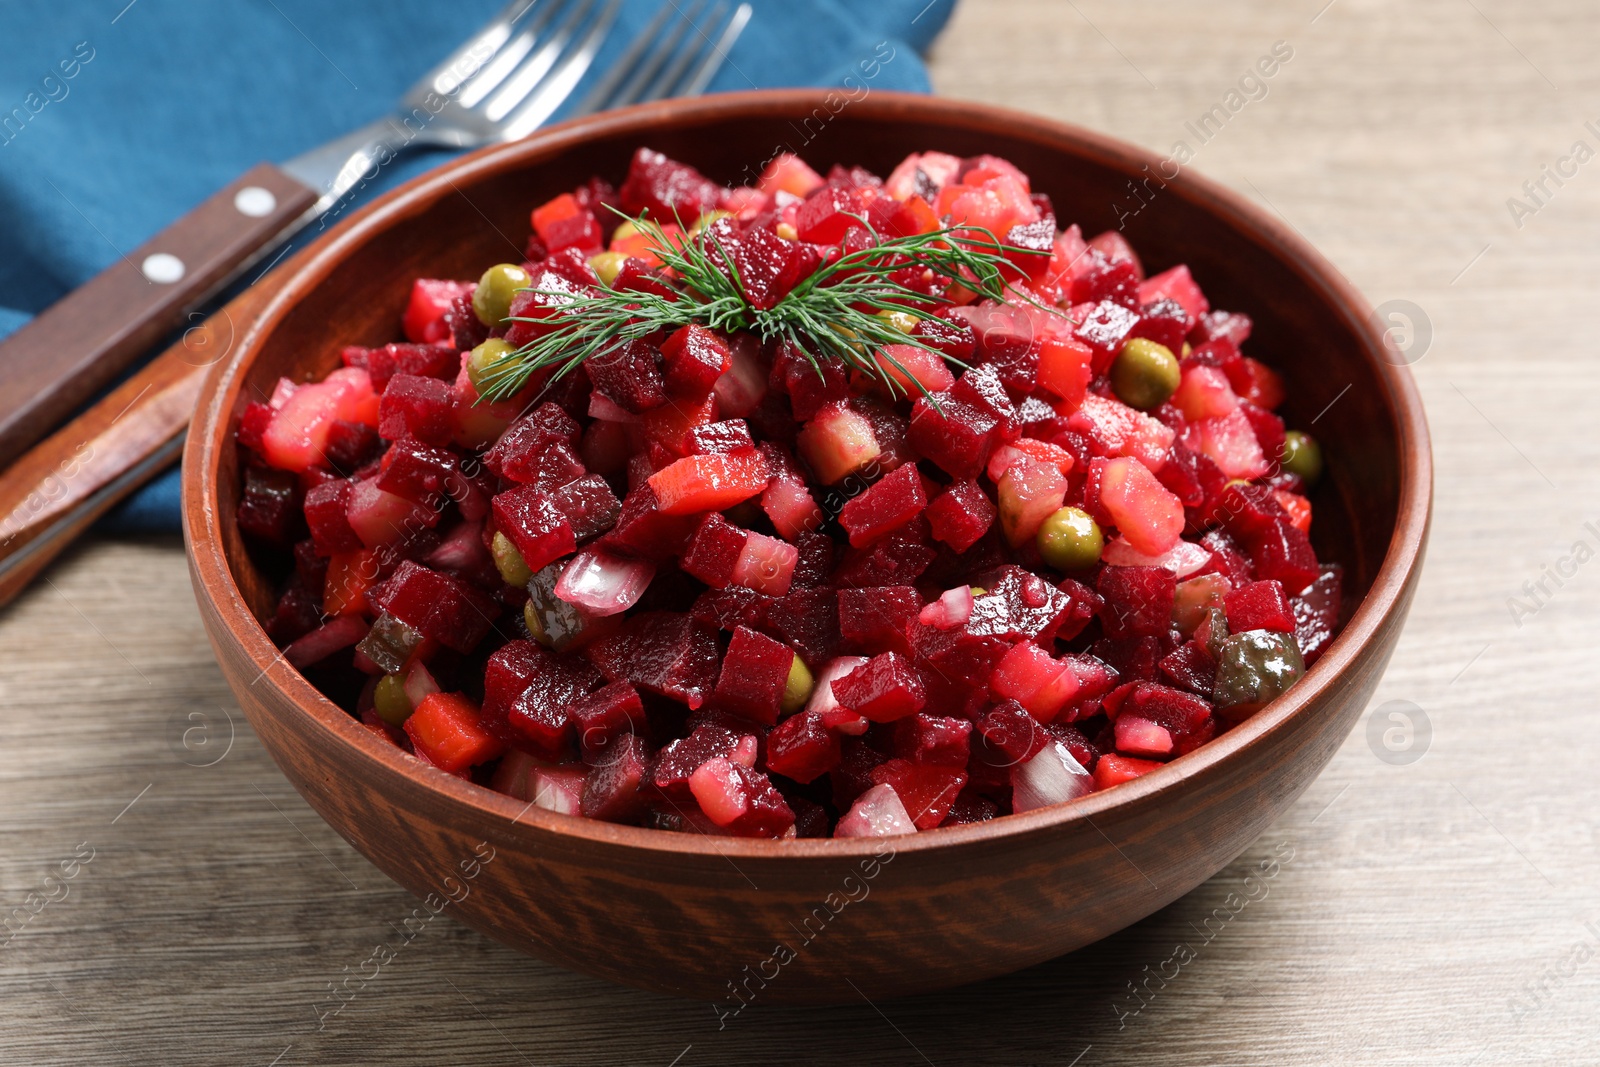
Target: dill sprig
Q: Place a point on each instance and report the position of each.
(833, 312)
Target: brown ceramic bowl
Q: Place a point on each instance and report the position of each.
(793, 920)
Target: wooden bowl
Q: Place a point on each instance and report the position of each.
(730, 919)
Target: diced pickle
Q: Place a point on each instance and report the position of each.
(1194, 597)
(389, 643)
(552, 621)
(1254, 667)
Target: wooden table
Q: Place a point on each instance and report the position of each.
(1434, 911)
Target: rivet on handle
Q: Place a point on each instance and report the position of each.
(163, 268)
(255, 201)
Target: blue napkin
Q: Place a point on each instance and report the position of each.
(166, 101)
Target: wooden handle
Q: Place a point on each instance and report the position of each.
(84, 340)
(59, 488)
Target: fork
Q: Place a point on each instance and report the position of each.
(503, 83)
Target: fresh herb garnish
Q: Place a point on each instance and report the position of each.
(831, 312)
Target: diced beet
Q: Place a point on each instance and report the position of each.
(253, 423)
(731, 607)
(883, 689)
(731, 435)
(1098, 277)
(970, 808)
(927, 791)
(693, 358)
(1105, 327)
(1259, 606)
(934, 740)
(325, 510)
(437, 606)
(1186, 717)
(802, 748)
(1233, 326)
(808, 621)
(1138, 600)
(1007, 735)
(643, 530)
(1018, 605)
(384, 362)
(666, 653)
(713, 550)
(614, 789)
(961, 515)
(535, 524)
(589, 505)
(1085, 604)
(516, 455)
(668, 190)
(1284, 553)
(1316, 613)
(1190, 666)
(509, 671)
(1165, 322)
(414, 406)
(898, 559)
(270, 508)
(878, 619)
(956, 435)
(602, 716)
(420, 473)
(680, 758)
(887, 505)
(755, 671)
(811, 381)
(630, 375)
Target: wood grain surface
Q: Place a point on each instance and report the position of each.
(1445, 910)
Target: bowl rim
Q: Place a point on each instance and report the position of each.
(214, 580)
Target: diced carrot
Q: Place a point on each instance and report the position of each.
(1110, 770)
(447, 729)
(709, 483)
(350, 575)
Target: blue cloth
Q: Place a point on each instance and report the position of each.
(117, 117)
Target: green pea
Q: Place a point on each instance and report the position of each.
(606, 265)
(1303, 456)
(1255, 666)
(491, 300)
(797, 690)
(1070, 540)
(390, 701)
(1145, 374)
(482, 361)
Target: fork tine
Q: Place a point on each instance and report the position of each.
(532, 70)
(603, 90)
(719, 53)
(672, 72)
(560, 82)
(633, 88)
(508, 56)
(491, 38)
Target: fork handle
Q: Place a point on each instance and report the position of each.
(79, 344)
(60, 486)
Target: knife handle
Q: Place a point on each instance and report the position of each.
(68, 480)
(81, 343)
